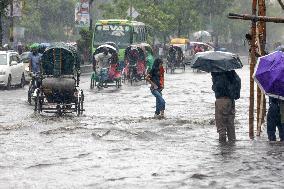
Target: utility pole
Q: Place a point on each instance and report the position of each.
(1, 32)
(261, 38)
(11, 24)
(130, 10)
(252, 65)
(91, 14)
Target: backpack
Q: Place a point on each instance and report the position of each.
(234, 87)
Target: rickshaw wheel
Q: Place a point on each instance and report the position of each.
(82, 102)
(117, 84)
(172, 69)
(124, 78)
(131, 76)
(35, 106)
(59, 111)
(29, 97)
(92, 83)
(79, 106)
(131, 80)
(167, 68)
(37, 103)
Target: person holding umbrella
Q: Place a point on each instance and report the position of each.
(274, 119)
(226, 86)
(269, 77)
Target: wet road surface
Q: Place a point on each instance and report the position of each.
(117, 144)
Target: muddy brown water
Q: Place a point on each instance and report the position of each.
(117, 144)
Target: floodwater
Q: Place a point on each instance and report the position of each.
(117, 144)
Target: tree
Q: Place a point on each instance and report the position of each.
(166, 17)
(3, 6)
(214, 14)
(281, 4)
(48, 20)
(238, 29)
(185, 16)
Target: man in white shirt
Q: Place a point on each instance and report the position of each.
(102, 60)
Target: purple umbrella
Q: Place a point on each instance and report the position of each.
(269, 74)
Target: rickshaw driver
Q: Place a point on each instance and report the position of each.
(34, 66)
(180, 56)
(102, 60)
(172, 55)
(35, 58)
(133, 56)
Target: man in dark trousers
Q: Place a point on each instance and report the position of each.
(226, 86)
(274, 119)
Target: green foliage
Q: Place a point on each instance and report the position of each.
(84, 44)
(239, 28)
(166, 17)
(49, 20)
(184, 14)
(3, 5)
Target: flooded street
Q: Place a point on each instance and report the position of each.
(117, 144)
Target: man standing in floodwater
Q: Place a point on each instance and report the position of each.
(275, 119)
(226, 86)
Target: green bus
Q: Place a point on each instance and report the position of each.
(121, 32)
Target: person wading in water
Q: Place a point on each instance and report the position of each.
(156, 79)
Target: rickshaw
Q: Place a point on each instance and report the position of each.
(175, 59)
(106, 77)
(58, 90)
(135, 64)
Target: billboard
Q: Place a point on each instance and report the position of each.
(17, 8)
(82, 13)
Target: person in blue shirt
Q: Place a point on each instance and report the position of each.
(35, 58)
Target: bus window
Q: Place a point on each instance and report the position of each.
(140, 34)
(144, 34)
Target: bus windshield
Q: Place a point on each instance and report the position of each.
(119, 34)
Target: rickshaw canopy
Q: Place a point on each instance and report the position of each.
(101, 47)
(60, 59)
(179, 41)
(147, 47)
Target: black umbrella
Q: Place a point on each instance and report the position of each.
(216, 61)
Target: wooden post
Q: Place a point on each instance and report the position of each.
(254, 20)
(261, 48)
(91, 14)
(252, 65)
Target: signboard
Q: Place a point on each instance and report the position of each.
(19, 32)
(17, 8)
(132, 12)
(82, 13)
(116, 30)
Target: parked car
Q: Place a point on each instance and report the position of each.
(26, 60)
(12, 71)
